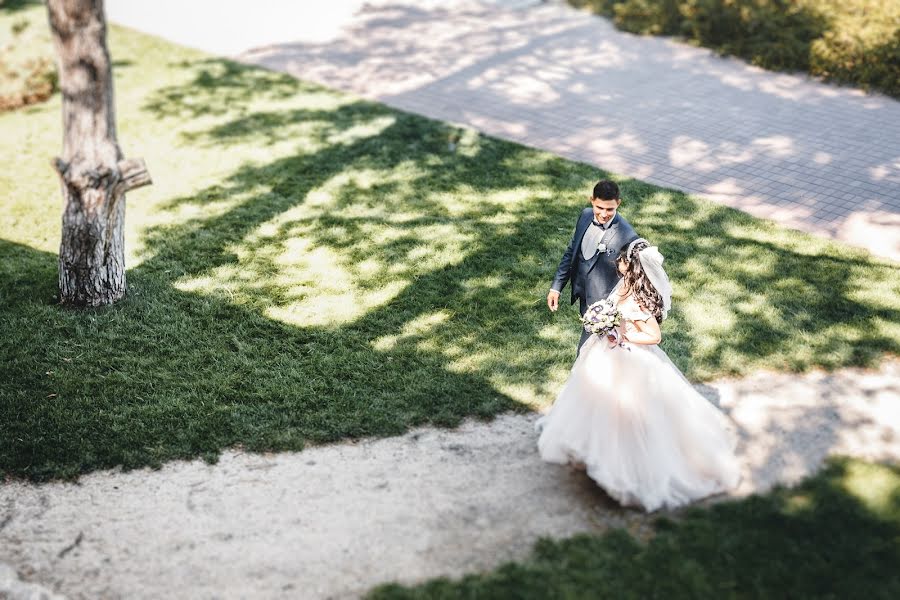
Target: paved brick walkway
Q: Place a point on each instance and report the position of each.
(815, 157)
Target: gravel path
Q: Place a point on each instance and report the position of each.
(333, 521)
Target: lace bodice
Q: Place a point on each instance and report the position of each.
(632, 311)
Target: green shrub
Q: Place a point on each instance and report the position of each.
(656, 17)
(774, 34)
(845, 41)
(27, 64)
(842, 57)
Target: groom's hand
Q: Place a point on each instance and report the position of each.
(553, 300)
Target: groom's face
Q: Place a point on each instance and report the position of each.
(604, 210)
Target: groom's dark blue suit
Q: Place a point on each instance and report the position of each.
(593, 278)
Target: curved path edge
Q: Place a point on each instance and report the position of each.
(333, 521)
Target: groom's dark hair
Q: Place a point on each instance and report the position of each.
(606, 190)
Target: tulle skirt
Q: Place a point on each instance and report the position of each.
(642, 431)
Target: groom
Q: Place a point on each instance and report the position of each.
(590, 260)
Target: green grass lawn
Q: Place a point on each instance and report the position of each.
(846, 41)
(309, 267)
(835, 536)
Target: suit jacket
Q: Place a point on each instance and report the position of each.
(593, 279)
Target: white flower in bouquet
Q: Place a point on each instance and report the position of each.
(601, 317)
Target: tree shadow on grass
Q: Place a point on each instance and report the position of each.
(220, 87)
(747, 291)
(834, 536)
(388, 271)
(198, 374)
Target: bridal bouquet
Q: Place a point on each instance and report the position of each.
(601, 317)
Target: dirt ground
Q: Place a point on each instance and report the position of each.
(333, 521)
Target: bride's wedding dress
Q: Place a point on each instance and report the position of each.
(642, 431)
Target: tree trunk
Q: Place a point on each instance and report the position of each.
(92, 171)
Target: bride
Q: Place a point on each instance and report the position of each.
(629, 416)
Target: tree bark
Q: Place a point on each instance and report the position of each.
(92, 171)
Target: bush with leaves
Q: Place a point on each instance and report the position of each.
(27, 67)
(845, 41)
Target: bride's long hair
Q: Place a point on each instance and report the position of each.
(636, 281)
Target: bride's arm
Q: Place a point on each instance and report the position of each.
(647, 332)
